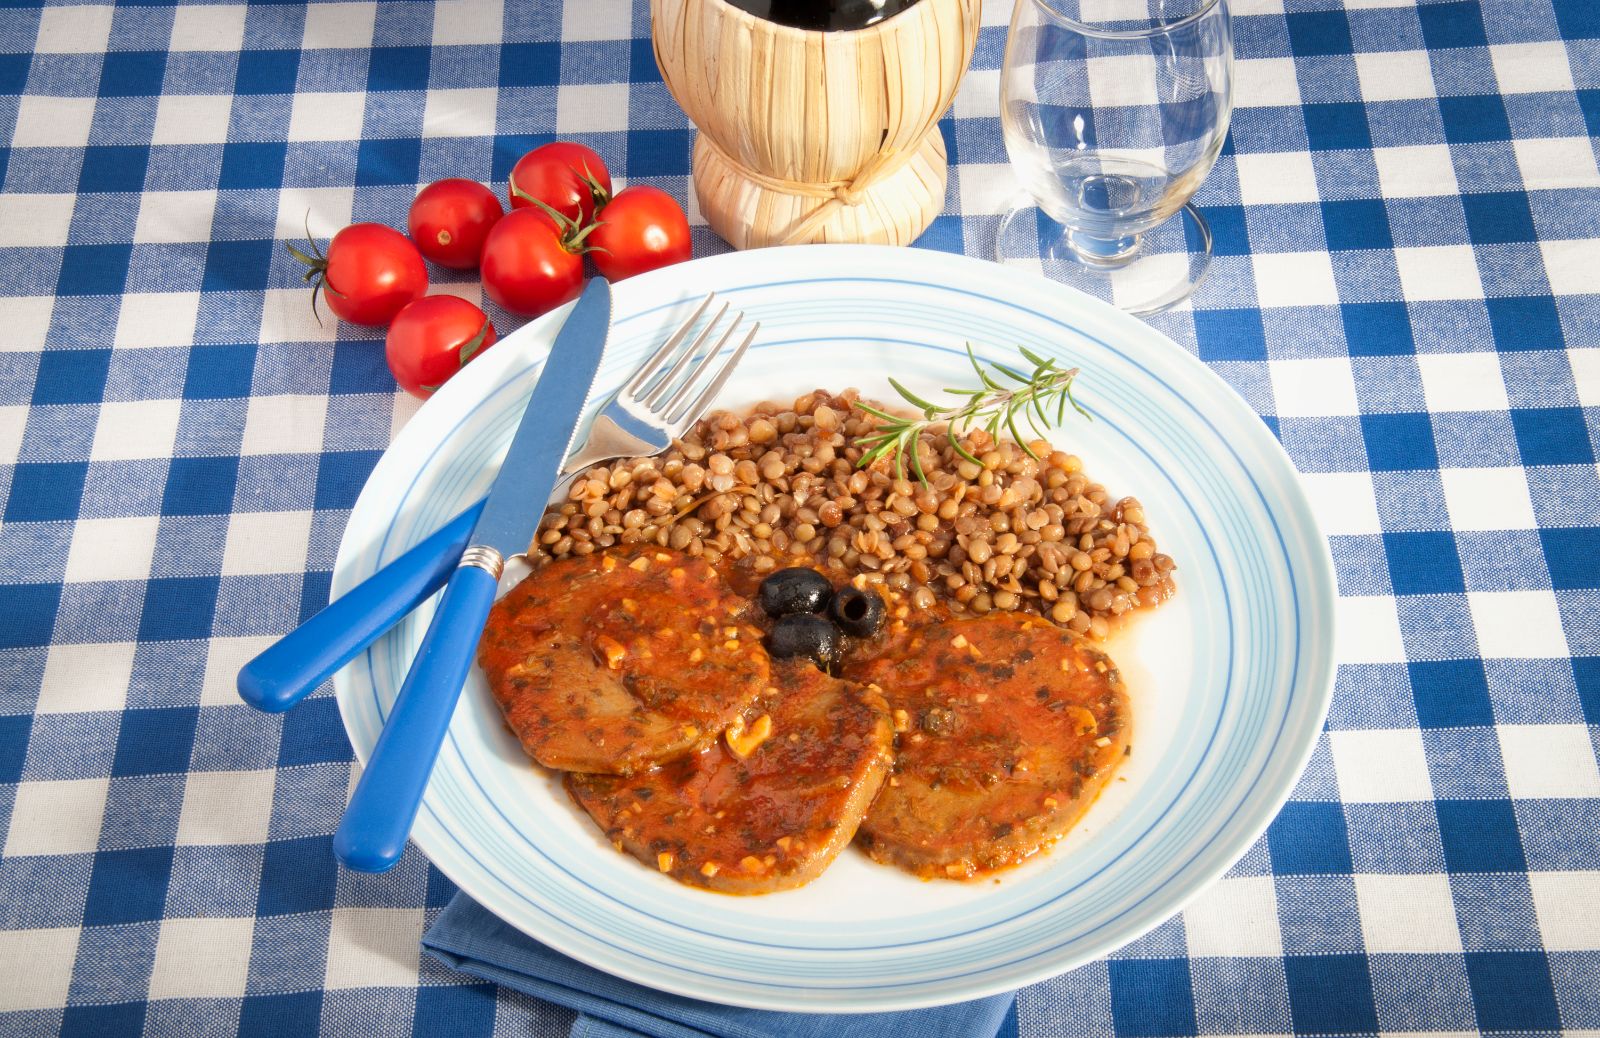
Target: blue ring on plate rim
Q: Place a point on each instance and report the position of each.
(1035, 907)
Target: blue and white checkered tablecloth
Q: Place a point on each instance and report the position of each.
(1407, 288)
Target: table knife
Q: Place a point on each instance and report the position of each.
(378, 820)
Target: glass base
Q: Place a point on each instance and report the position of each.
(1141, 275)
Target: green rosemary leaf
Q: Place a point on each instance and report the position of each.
(1067, 390)
(877, 452)
(1033, 423)
(874, 412)
(1038, 408)
(1011, 423)
(983, 375)
(914, 398)
(1013, 374)
(1036, 360)
(992, 407)
(950, 434)
(916, 465)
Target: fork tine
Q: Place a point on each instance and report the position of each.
(704, 400)
(700, 368)
(656, 361)
(664, 386)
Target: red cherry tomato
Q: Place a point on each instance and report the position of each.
(449, 220)
(369, 274)
(641, 229)
(432, 339)
(568, 177)
(529, 265)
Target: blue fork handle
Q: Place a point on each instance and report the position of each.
(372, 835)
(301, 660)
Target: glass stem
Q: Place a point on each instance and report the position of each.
(1103, 253)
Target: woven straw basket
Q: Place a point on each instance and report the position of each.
(815, 136)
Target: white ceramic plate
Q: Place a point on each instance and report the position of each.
(1230, 680)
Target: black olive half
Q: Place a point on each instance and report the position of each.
(857, 612)
(794, 590)
(807, 636)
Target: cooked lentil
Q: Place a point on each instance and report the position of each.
(780, 486)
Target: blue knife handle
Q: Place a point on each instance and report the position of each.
(373, 832)
(290, 668)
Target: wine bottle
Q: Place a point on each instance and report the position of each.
(824, 15)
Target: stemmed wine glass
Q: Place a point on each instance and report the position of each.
(1113, 113)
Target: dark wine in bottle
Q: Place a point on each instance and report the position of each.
(824, 15)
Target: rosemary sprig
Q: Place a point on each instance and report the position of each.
(995, 405)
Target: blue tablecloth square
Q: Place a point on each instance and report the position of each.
(530, 64)
(293, 877)
(1423, 563)
(71, 376)
(128, 886)
(1398, 442)
(272, 1016)
(1337, 126)
(1452, 25)
(1152, 997)
(1450, 693)
(178, 608)
(133, 73)
(14, 731)
(340, 476)
(1318, 32)
(155, 741)
(1308, 838)
(1474, 119)
(1480, 836)
(1331, 994)
(1512, 989)
(90, 1021)
(1552, 436)
(1573, 557)
(1586, 670)
(1357, 223)
(41, 492)
(312, 735)
(1377, 329)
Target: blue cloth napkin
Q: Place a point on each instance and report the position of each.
(474, 940)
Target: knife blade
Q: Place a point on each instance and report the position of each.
(544, 438)
(372, 835)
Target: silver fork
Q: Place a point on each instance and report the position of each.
(652, 409)
(669, 392)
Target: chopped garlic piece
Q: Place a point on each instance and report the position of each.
(613, 650)
(744, 741)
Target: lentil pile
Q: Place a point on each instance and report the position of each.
(780, 485)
